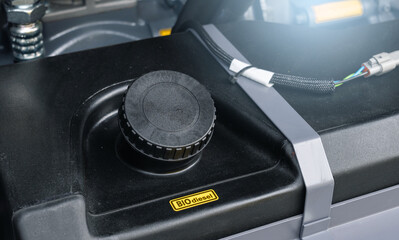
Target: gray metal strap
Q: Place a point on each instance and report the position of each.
(307, 144)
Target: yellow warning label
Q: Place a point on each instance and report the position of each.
(193, 200)
(337, 10)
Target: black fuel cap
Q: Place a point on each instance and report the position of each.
(167, 115)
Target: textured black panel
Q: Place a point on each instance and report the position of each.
(45, 155)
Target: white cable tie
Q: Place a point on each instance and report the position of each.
(258, 75)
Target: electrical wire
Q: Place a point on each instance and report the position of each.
(360, 70)
(309, 84)
(359, 73)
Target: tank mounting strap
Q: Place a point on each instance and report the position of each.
(309, 150)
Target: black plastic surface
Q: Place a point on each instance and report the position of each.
(358, 123)
(51, 150)
(141, 21)
(100, 146)
(94, 31)
(45, 156)
(212, 11)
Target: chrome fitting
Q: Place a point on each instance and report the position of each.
(25, 27)
(27, 41)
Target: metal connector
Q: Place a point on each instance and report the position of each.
(27, 40)
(381, 63)
(25, 27)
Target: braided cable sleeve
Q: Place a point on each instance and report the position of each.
(308, 84)
(216, 49)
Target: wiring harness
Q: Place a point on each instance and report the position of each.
(377, 65)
